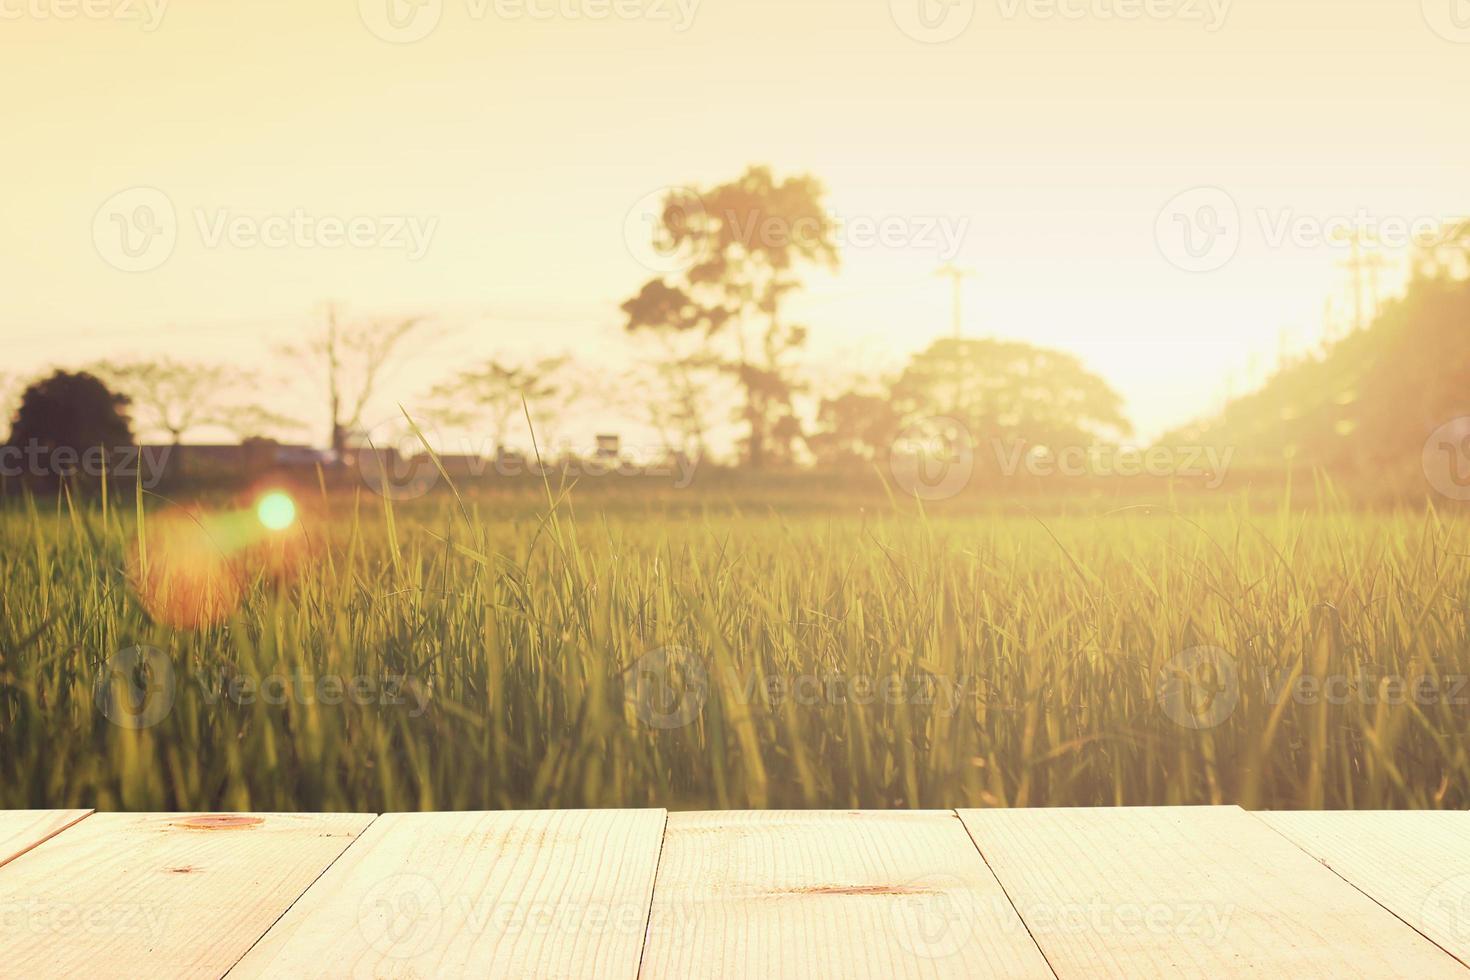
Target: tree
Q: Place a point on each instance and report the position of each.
(744, 241)
(854, 427)
(1368, 404)
(1448, 255)
(71, 411)
(177, 396)
(682, 381)
(353, 357)
(247, 421)
(494, 393)
(1010, 390)
(9, 388)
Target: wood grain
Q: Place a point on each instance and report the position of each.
(21, 830)
(1189, 891)
(159, 895)
(1416, 864)
(830, 894)
(527, 894)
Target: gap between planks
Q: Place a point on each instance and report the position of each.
(22, 830)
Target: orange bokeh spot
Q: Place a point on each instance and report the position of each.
(194, 566)
(181, 573)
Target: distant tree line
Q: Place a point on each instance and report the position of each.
(716, 347)
(1367, 403)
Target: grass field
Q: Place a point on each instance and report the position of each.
(501, 653)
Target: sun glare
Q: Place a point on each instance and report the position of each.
(276, 511)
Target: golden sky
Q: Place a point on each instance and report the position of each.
(517, 136)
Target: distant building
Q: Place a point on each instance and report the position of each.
(380, 458)
(204, 460)
(609, 446)
(292, 455)
(457, 465)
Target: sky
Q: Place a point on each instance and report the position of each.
(1150, 184)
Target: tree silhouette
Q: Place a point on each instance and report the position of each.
(673, 392)
(1369, 402)
(73, 411)
(744, 241)
(354, 358)
(1011, 390)
(9, 389)
(493, 393)
(177, 396)
(854, 428)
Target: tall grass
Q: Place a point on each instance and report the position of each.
(523, 634)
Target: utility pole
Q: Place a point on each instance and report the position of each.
(957, 276)
(1359, 264)
(1329, 325)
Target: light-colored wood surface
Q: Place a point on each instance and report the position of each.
(1147, 892)
(159, 895)
(21, 830)
(1203, 891)
(517, 895)
(1415, 864)
(830, 894)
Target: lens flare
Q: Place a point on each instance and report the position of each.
(181, 569)
(276, 511)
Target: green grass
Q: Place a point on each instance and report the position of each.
(515, 627)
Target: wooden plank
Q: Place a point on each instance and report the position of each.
(830, 894)
(21, 830)
(159, 895)
(1416, 864)
(1189, 891)
(561, 893)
